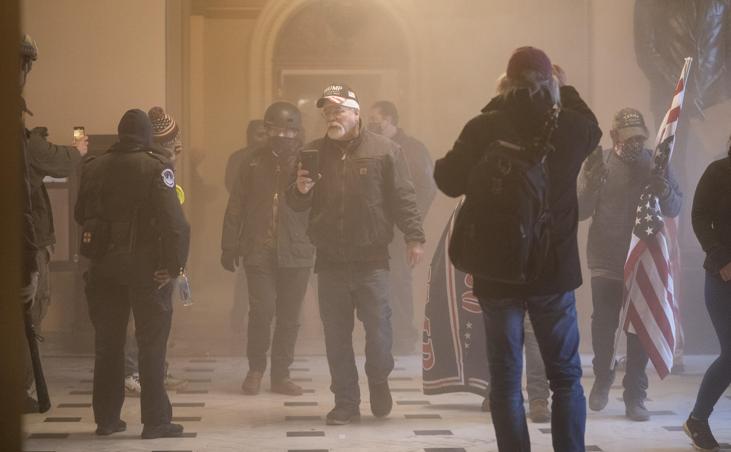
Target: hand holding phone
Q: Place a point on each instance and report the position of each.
(310, 159)
(81, 141)
(79, 133)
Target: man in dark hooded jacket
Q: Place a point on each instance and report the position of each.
(137, 238)
(526, 94)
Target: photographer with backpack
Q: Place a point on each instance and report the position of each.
(517, 164)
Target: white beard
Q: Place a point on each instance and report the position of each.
(335, 132)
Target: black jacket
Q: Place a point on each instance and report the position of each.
(612, 206)
(575, 137)
(132, 189)
(258, 221)
(46, 159)
(233, 168)
(365, 189)
(668, 31)
(421, 168)
(711, 214)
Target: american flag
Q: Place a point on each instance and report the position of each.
(650, 307)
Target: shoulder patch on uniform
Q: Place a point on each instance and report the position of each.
(168, 177)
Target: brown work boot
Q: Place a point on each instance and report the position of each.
(286, 386)
(252, 382)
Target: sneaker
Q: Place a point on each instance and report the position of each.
(700, 433)
(172, 383)
(342, 415)
(162, 431)
(287, 387)
(635, 410)
(132, 387)
(539, 412)
(252, 382)
(106, 430)
(485, 408)
(381, 401)
(599, 395)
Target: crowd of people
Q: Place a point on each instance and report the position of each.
(351, 206)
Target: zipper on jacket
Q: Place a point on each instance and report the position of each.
(341, 220)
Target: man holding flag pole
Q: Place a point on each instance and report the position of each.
(650, 304)
(633, 201)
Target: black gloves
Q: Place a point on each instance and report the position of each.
(659, 186)
(594, 169)
(230, 260)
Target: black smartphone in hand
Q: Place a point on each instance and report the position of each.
(310, 159)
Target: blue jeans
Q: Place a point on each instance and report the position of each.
(718, 376)
(536, 384)
(556, 329)
(342, 292)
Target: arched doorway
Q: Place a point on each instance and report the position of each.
(344, 41)
(275, 27)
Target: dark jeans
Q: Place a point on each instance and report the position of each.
(556, 329)
(607, 299)
(402, 297)
(274, 292)
(109, 310)
(240, 308)
(341, 292)
(718, 376)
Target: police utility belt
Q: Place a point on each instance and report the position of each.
(100, 238)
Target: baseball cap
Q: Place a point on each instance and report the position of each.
(340, 94)
(629, 123)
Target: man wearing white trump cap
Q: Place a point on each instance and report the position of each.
(359, 190)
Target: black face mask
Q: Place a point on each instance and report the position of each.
(375, 127)
(284, 144)
(631, 151)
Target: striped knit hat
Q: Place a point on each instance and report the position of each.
(164, 128)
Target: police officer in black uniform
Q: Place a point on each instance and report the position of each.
(137, 238)
(269, 238)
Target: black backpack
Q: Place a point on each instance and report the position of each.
(502, 230)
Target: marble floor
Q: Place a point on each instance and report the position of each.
(217, 417)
